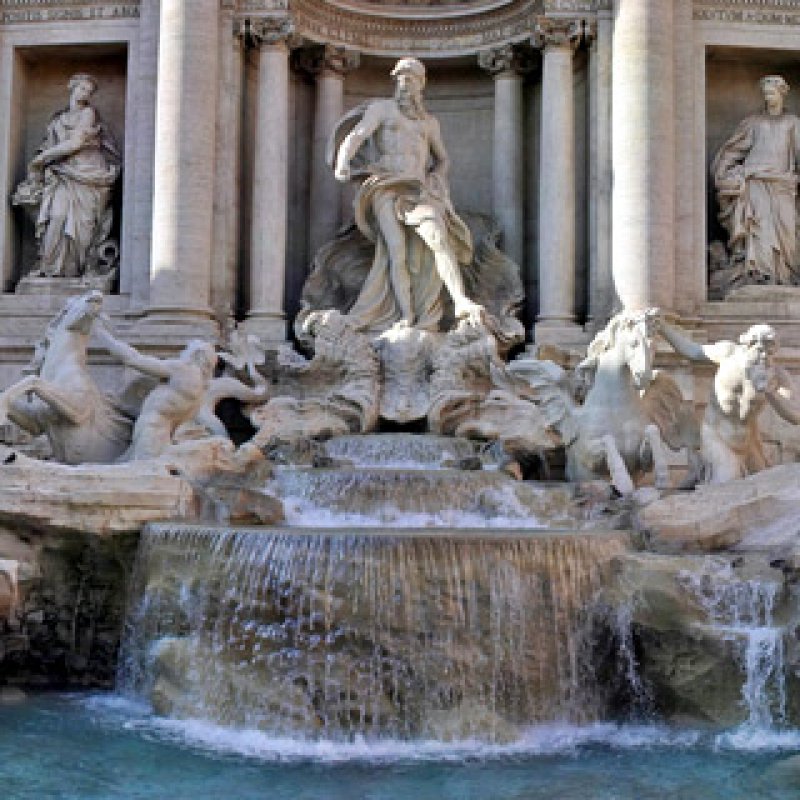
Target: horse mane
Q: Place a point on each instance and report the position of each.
(606, 339)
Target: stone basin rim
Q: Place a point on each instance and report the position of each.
(470, 534)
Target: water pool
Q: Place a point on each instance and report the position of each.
(86, 747)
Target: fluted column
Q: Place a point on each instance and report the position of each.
(601, 285)
(507, 66)
(266, 315)
(643, 131)
(183, 192)
(329, 65)
(558, 39)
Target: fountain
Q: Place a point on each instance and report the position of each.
(399, 633)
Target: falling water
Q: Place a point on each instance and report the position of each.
(347, 497)
(401, 450)
(742, 610)
(391, 633)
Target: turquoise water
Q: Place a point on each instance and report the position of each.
(80, 747)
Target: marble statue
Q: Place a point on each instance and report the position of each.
(336, 392)
(755, 174)
(746, 381)
(475, 395)
(60, 398)
(629, 411)
(70, 181)
(188, 392)
(403, 206)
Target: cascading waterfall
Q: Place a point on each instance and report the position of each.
(390, 633)
(742, 610)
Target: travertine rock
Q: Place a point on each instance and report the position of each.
(754, 512)
(691, 618)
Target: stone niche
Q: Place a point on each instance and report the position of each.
(41, 75)
(733, 93)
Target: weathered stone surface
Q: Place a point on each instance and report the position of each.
(756, 512)
(691, 657)
(66, 623)
(102, 501)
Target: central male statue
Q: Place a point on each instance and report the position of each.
(404, 207)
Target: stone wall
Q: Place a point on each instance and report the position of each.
(65, 622)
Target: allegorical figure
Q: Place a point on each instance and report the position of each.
(404, 207)
(755, 173)
(746, 379)
(187, 392)
(71, 180)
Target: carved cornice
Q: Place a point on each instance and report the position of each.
(401, 27)
(764, 12)
(506, 59)
(24, 11)
(558, 32)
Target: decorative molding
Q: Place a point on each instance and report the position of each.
(25, 11)
(317, 59)
(763, 12)
(577, 6)
(259, 31)
(558, 32)
(394, 33)
(506, 59)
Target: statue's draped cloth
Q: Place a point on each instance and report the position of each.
(376, 308)
(76, 197)
(755, 172)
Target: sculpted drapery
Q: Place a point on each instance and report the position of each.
(71, 180)
(755, 173)
(403, 205)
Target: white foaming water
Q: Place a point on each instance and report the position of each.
(540, 740)
(743, 610)
(303, 512)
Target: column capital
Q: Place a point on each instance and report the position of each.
(558, 32)
(319, 59)
(590, 31)
(504, 60)
(259, 31)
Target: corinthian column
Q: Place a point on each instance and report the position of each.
(270, 179)
(556, 322)
(183, 191)
(329, 64)
(506, 65)
(643, 149)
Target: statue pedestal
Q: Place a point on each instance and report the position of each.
(749, 305)
(42, 285)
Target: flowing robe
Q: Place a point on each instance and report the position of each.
(75, 213)
(755, 173)
(416, 203)
(376, 308)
